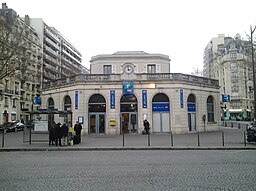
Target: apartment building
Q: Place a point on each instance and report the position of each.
(60, 58)
(229, 60)
(49, 56)
(18, 88)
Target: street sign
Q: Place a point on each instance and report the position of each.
(225, 98)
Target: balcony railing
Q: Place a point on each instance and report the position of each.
(105, 78)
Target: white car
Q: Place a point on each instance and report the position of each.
(19, 126)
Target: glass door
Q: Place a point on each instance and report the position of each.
(92, 123)
(133, 123)
(97, 123)
(101, 123)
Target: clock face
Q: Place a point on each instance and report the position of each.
(128, 69)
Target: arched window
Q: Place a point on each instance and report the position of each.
(97, 103)
(160, 97)
(50, 103)
(67, 103)
(210, 109)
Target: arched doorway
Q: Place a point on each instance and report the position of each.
(191, 103)
(129, 112)
(161, 113)
(97, 112)
(50, 116)
(67, 107)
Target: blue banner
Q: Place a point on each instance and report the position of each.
(181, 98)
(128, 88)
(144, 99)
(76, 99)
(112, 99)
(191, 107)
(161, 107)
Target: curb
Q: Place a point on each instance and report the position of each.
(123, 148)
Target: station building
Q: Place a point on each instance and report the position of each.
(125, 88)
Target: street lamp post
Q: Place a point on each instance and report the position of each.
(253, 70)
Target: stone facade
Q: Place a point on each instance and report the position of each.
(172, 102)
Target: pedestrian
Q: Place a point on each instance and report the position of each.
(52, 134)
(78, 128)
(57, 134)
(146, 126)
(64, 132)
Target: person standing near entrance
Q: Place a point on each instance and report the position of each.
(64, 133)
(78, 128)
(146, 126)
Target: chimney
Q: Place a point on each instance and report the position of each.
(4, 6)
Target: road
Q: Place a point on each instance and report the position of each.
(128, 170)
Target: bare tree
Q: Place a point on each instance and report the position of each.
(13, 48)
(197, 72)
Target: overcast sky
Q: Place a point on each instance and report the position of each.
(178, 28)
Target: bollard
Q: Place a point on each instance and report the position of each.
(245, 138)
(226, 124)
(148, 138)
(222, 133)
(123, 138)
(171, 139)
(3, 139)
(239, 126)
(232, 125)
(198, 139)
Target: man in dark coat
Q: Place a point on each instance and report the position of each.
(78, 129)
(57, 134)
(146, 126)
(52, 134)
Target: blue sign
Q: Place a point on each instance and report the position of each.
(76, 100)
(191, 107)
(128, 88)
(112, 99)
(36, 100)
(160, 107)
(144, 99)
(181, 98)
(225, 98)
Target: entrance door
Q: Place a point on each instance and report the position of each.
(129, 122)
(161, 122)
(192, 121)
(97, 123)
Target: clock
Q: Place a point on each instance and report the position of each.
(128, 69)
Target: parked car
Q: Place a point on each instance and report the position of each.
(19, 126)
(9, 126)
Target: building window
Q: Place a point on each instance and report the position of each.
(13, 117)
(151, 68)
(233, 76)
(233, 55)
(234, 86)
(233, 66)
(14, 103)
(6, 102)
(210, 109)
(107, 69)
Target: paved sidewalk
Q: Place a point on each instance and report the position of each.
(231, 138)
